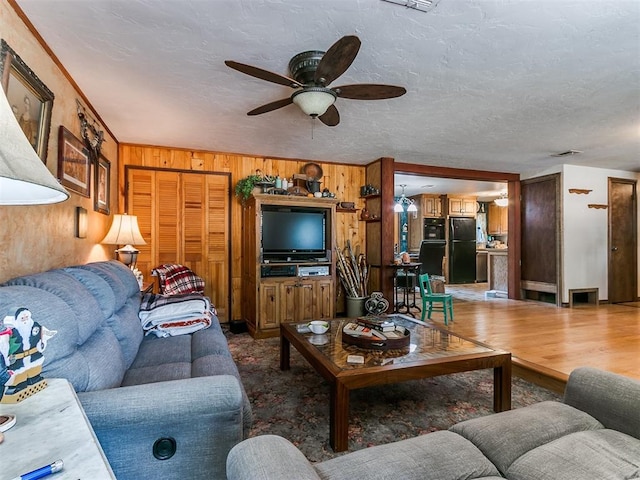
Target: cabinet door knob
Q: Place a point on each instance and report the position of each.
(614, 249)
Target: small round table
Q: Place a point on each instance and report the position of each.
(409, 273)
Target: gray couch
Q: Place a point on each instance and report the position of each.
(594, 434)
(136, 390)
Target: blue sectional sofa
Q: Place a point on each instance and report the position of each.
(162, 408)
(594, 434)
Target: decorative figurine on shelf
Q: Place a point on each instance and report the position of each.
(25, 356)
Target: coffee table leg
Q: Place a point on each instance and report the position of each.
(502, 388)
(285, 351)
(339, 417)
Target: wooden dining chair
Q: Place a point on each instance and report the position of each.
(434, 302)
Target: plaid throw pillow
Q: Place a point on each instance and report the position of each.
(176, 279)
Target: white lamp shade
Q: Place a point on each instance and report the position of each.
(314, 101)
(412, 208)
(398, 208)
(24, 179)
(124, 231)
(501, 202)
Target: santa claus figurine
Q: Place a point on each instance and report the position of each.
(27, 342)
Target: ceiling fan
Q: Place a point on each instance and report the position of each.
(311, 73)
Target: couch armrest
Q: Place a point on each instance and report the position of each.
(203, 415)
(612, 399)
(268, 457)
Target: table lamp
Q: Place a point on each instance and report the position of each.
(125, 231)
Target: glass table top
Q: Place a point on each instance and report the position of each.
(427, 342)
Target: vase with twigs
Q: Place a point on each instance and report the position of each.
(353, 273)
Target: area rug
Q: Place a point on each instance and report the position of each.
(295, 403)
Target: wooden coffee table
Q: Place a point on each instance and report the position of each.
(433, 351)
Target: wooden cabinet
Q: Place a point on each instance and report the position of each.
(279, 292)
(431, 206)
(462, 206)
(498, 220)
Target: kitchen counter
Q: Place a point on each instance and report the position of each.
(498, 269)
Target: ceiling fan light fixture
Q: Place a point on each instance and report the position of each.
(314, 101)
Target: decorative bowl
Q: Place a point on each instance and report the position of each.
(318, 326)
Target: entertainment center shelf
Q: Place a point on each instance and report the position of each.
(288, 264)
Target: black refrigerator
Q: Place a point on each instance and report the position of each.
(462, 250)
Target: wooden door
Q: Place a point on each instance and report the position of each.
(540, 271)
(184, 217)
(305, 300)
(623, 262)
(270, 305)
(324, 298)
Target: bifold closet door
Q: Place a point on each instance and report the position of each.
(184, 217)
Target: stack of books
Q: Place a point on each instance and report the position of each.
(381, 323)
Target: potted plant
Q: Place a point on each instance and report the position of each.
(245, 186)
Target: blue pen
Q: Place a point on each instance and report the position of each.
(42, 471)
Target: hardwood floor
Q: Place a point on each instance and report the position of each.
(548, 342)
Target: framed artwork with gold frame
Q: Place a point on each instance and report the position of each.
(30, 99)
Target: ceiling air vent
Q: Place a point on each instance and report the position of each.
(566, 154)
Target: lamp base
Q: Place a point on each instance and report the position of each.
(128, 255)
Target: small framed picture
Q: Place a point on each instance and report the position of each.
(102, 186)
(74, 163)
(30, 99)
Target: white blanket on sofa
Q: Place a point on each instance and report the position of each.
(169, 315)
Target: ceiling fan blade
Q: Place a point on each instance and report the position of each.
(271, 106)
(369, 91)
(337, 59)
(263, 74)
(331, 117)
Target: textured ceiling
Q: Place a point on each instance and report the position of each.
(493, 85)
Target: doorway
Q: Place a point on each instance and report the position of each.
(623, 241)
(450, 193)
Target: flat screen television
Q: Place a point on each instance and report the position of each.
(293, 233)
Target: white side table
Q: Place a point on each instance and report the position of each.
(51, 425)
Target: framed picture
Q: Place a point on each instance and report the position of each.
(74, 163)
(30, 99)
(102, 186)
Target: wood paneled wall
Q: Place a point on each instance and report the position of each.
(343, 180)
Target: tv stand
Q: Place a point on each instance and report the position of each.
(281, 288)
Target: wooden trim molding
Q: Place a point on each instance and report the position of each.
(580, 191)
(598, 206)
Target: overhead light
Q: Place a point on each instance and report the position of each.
(403, 202)
(125, 231)
(420, 5)
(503, 201)
(314, 101)
(24, 179)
